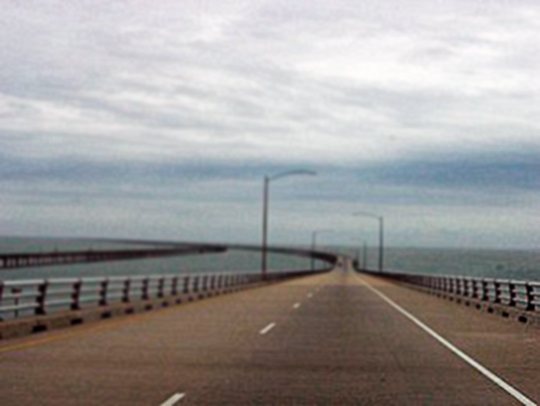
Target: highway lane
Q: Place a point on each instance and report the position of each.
(511, 350)
(348, 347)
(144, 359)
(326, 339)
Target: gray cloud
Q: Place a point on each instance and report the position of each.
(407, 108)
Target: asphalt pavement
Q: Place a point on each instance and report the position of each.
(331, 339)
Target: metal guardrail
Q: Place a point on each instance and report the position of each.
(20, 298)
(523, 295)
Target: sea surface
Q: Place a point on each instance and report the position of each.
(502, 264)
(481, 263)
(229, 261)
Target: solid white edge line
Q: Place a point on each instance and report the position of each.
(173, 399)
(268, 328)
(483, 370)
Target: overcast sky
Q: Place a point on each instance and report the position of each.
(160, 119)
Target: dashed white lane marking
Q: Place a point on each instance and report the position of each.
(310, 295)
(483, 370)
(268, 328)
(296, 305)
(173, 399)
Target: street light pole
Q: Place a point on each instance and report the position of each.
(266, 192)
(314, 244)
(359, 253)
(265, 225)
(364, 256)
(381, 244)
(381, 235)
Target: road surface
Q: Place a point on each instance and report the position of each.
(331, 339)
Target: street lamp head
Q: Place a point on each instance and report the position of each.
(291, 173)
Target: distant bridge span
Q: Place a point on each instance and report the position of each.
(161, 249)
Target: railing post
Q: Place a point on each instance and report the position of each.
(186, 284)
(41, 298)
(467, 287)
(174, 286)
(529, 294)
(76, 295)
(512, 293)
(125, 290)
(196, 284)
(460, 286)
(485, 295)
(474, 288)
(451, 285)
(161, 284)
(497, 286)
(103, 292)
(145, 289)
(16, 292)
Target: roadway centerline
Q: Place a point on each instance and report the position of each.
(173, 399)
(267, 328)
(476, 365)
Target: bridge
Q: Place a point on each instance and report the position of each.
(334, 336)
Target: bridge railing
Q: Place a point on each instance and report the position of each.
(523, 295)
(21, 298)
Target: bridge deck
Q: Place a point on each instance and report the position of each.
(326, 339)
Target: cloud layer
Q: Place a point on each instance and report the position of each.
(133, 118)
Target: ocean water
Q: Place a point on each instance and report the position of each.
(503, 264)
(481, 263)
(230, 261)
